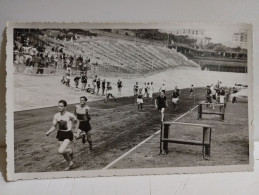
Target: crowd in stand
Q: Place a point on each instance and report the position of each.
(35, 53)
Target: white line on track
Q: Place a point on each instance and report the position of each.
(141, 143)
(95, 146)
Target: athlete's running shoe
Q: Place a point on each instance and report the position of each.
(70, 165)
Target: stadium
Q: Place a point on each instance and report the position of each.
(47, 62)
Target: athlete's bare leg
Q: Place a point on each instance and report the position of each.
(66, 152)
(162, 114)
(89, 139)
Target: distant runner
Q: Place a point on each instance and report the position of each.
(119, 85)
(140, 101)
(191, 91)
(161, 104)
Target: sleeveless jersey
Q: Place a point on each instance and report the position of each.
(64, 121)
(81, 112)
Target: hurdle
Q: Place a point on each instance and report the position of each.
(221, 112)
(205, 143)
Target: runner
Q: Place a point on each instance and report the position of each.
(109, 93)
(140, 101)
(208, 95)
(94, 83)
(161, 104)
(63, 122)
(151, 91)
(98, 83)
(84, 129)
(222, 95)
(83, 80)
(103, 87)
(175, 97)
(191, 91)
(145, 90)
(135, 89)
(119, 85)
(162, 88)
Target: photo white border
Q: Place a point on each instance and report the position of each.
(11, 175)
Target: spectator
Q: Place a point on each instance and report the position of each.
(98, 83)
(119, 84)
(103, 87)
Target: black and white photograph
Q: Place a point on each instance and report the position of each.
(128, 99)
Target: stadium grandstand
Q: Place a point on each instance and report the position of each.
(95, 51)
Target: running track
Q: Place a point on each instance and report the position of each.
(117, 127)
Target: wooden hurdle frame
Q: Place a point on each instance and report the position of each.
(205, 143)
(221, 112)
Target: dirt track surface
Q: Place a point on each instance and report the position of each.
(117, 127)
(229, 145)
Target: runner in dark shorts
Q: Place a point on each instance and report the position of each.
(161, 104)
(84, 129)
(191, 91)
(63, 122)
(208, 95)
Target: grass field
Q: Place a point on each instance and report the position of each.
(118, 127)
